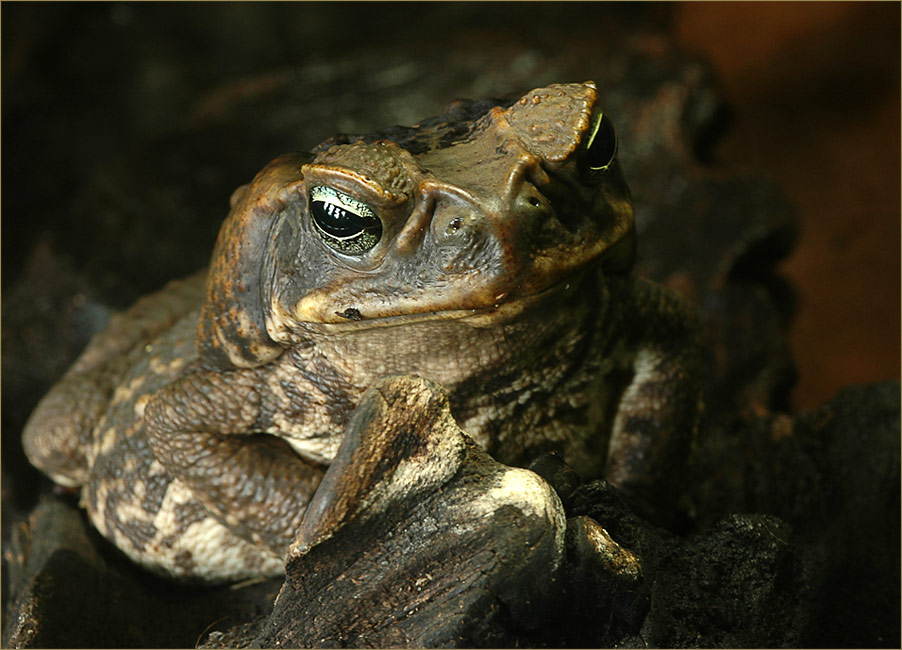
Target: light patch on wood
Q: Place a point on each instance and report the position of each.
(434, 467)
(532, 496)
(614, 557)
(529, 493)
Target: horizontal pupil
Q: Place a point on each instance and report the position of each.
(337, 221)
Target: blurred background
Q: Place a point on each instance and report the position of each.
(813, 90)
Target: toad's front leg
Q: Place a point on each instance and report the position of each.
(661, 406)
(203, 429)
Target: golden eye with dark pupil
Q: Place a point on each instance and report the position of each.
(602, 145)
(342, 222)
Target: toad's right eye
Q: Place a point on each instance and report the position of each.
(602, 146)
(342, 222)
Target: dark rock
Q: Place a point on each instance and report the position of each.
(745, 581)
(55, 314)
(741, 584)
(606, 596)
(558, 474)
(833, 474)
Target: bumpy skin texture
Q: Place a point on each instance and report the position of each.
(200, 423)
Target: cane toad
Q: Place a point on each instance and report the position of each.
(487, 250)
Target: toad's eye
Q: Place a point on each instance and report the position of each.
(602, 145)
(343, 222)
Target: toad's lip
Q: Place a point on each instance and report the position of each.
(505, 306)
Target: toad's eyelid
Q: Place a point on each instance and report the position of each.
(352, 183)
(330, 195)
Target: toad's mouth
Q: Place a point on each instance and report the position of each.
(502, 307)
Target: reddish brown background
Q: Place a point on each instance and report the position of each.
(815, 86)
